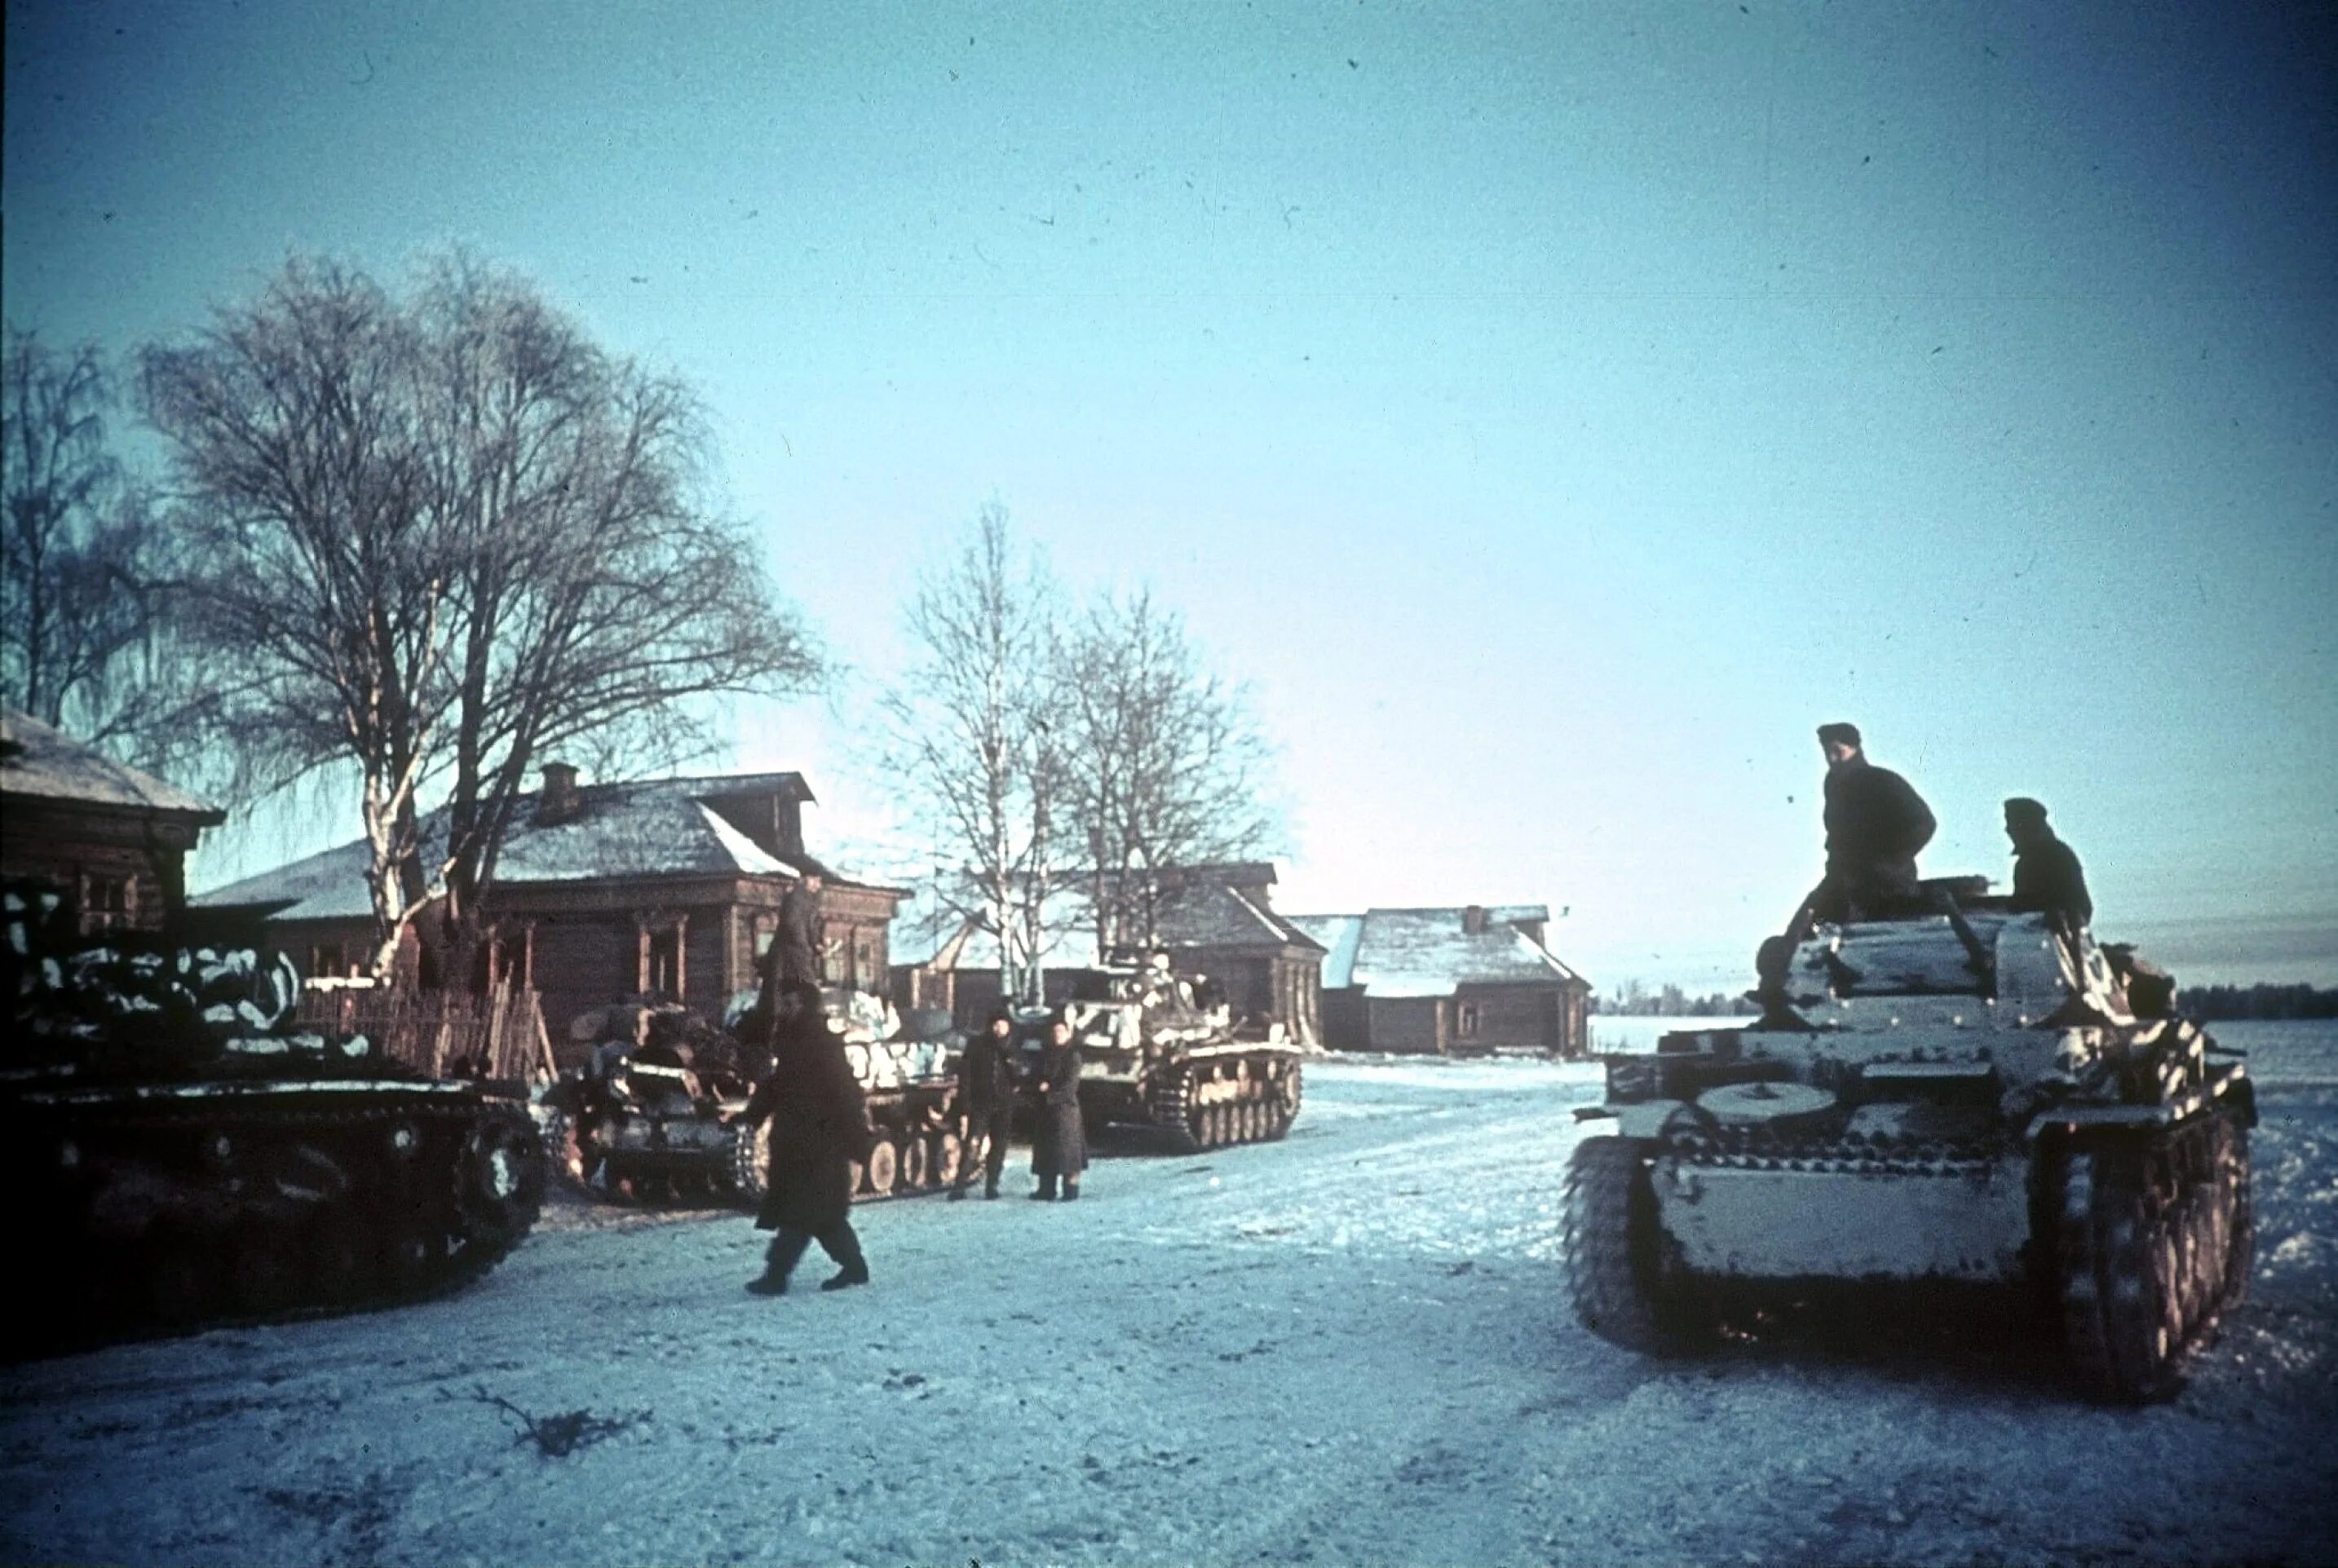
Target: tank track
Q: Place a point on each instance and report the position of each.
(1261, 1110)
(908, 1162)
(2153, 1241)
(1617, 1269)
(169, 1212)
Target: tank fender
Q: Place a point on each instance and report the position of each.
(1643, 1119)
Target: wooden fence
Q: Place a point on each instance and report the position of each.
(445, 1033)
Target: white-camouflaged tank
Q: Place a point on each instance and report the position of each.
(1972, 1097)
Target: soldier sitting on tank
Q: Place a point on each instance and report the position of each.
(1875, 824)
(1059, 1147)
(2047, 876)
(986, 1102)
(819, 1126)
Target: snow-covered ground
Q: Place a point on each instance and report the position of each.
(1351, 1346)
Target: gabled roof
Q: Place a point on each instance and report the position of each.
(1400, 953)
(657, 828)
(1204, 911)
(44, 763)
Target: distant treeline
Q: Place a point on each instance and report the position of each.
(1636, 1000)
(2261, 1001)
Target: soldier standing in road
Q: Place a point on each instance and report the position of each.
(985, 1099)
(2047, 875)
(819, 1126)
(1059, 1146)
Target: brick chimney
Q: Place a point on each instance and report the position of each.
(560, 800)
(1473, 920)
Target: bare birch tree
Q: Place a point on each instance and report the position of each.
(317, 597)
(81, 559)
(972, 744)
(598, 590)
(442, 540)
(1166, 765)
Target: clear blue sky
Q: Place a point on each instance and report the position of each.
(1554, 411)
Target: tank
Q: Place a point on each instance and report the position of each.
(660, 1113)
(1157, 1050)
(1978, 1097)
(185, 1154)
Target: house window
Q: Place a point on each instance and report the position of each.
(1465, 1020)
(325, 959)
(108, 903)
(662, 967)
(767, 927)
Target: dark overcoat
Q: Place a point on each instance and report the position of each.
(795, 945)
(1875, 824)
(986, 1074)
(2047, 876)
(1059, 1145)
(819, 1126)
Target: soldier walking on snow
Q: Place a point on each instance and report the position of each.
(1059, 1146)
(819, 1126)
(985, 1099)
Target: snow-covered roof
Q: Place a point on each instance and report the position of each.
(1338, 936)
(1431, 951)
(657, 828)
(1203, 912)
(39, 760)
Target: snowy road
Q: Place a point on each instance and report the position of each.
(1350, 1347)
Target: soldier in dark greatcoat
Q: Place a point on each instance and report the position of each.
(819, 1126)
(1875, 824)
(793, 958)
(1059, 1147)
(985, 1099)
(795, 946)
(2047, 875)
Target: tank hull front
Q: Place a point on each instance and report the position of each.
(1847, 1216)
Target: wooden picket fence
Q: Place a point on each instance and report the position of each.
(445, 1033)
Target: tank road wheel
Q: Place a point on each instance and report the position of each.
(914, 1170)
(948, 1152)
(751, 1160)
(499, 1185)
(2122, 1314)
(884, 1169)
(413, 1255)
(1617, 1271)
(1289, 1091)
(856, 1177)
(1253, 1120)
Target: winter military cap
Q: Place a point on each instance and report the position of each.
(2022, 809)
(1844, 734)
